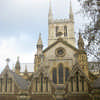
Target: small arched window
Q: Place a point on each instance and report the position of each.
(65, 30)
(66, 74)
(41, 82)
(10, 85)
(77, 82)
(54, 76)
(83, 85)
(6, 77)
(47, 84)
(1, 80)
(36, 85)
(57, 28)
(60, 74)
(72, 84)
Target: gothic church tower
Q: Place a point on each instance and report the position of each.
(61, 28)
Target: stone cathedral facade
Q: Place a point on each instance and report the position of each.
(60, 71)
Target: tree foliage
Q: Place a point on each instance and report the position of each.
(91, 33)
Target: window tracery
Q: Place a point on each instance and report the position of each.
(54, 76)
(60, 74)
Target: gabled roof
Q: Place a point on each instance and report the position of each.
(77, 68)
(62, 41)
(22, 83)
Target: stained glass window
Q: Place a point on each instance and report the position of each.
(54, 76)
(82, 84)
(77, 82)
(60, 74)
(72, 84)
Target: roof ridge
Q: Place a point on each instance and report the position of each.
(64, 42)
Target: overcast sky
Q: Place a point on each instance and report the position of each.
(20, 24)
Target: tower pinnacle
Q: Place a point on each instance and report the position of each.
(71, 11)
(17, 66)
(50, 15)
(39, 45)
(39, 40)
(80, 42)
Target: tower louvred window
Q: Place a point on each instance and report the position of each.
(65, 30)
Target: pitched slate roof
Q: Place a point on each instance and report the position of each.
(22, 83)
(76, 68)
(96, 83)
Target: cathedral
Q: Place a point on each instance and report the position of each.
(60, 70)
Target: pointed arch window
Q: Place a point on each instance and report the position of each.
(60, 74)
(1, 80)
(66, 74)
(47, 85)
(6, 77)
(77, 82)
(83, 85)
(10, 85)
(72, 84)
(54, 75)
(41, 82)
(65, 30)
(36, 84)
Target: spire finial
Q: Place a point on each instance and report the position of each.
(39, 45)
(17, 66)
(39, 40)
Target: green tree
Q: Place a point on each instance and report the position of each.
(91, 32)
